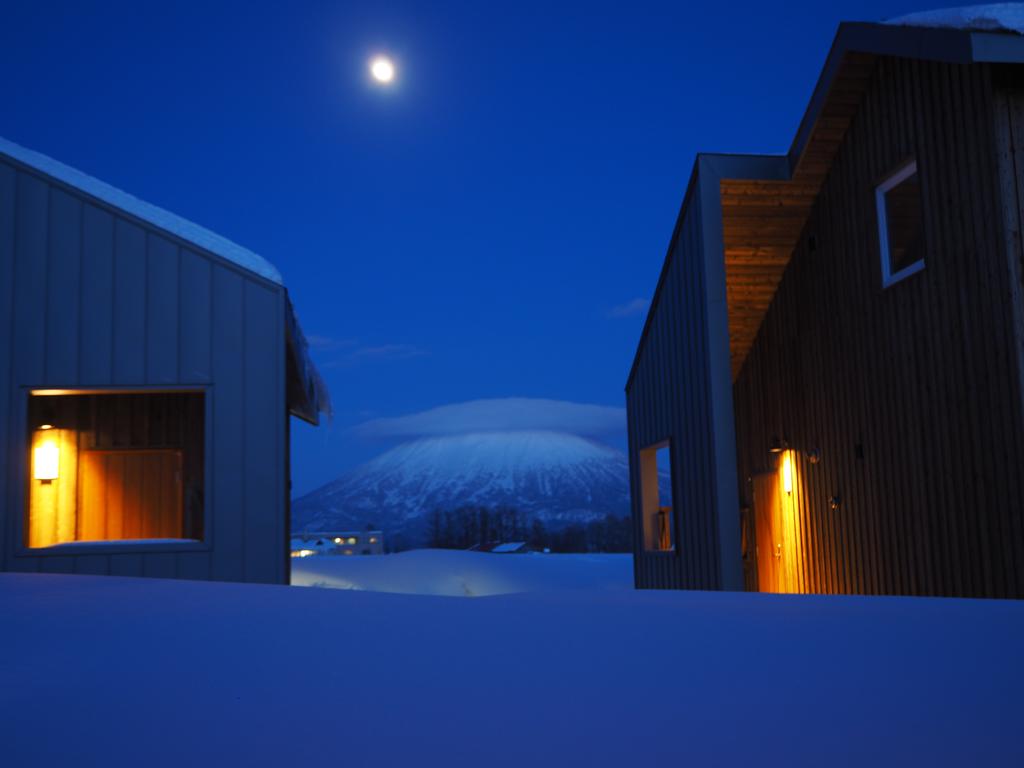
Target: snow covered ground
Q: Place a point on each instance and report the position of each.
(126, 672)
(464, 574)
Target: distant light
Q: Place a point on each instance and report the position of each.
(382, 69)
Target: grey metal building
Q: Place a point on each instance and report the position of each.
(832, 366)
(148, 369)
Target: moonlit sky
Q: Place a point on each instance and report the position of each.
(490, 225)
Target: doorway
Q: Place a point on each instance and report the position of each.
(777, 549)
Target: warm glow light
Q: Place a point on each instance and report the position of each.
(351, 539)
(46, 460)
(337, 540)
(382, 69)
(373, 539)
(302, 552)
(787, 472)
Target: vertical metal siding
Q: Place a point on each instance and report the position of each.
(8, 182)
(262, 401)
(681, 389)
(195, 319)
(97, 297)
(668, 398)
(227, 485)
(62, 298)
(162, 271)
(91, 297)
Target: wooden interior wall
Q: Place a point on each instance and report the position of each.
(912, 394)
(130, 495)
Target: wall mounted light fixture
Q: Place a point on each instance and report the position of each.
(46, 456)
(787, 472)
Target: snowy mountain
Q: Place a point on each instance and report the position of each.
(556, 477)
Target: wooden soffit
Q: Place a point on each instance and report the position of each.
(762, 220)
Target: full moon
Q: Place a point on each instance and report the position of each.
(382, 69)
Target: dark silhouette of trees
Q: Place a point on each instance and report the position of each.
(469, 527)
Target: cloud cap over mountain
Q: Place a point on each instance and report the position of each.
(502, 414)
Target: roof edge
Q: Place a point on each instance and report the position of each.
(151, 215)
(945, 44)
(762, 167)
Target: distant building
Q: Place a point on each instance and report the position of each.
(832, 367)
(148, 370)
(503, 548)
(338, 543)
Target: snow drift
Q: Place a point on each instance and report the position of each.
(126, 672)
(464, 574)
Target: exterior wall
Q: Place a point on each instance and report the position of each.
(91, 298)
(679, 391)
(912, 394)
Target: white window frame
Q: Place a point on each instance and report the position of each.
(893, 180)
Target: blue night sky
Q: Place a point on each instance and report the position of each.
(491, 226)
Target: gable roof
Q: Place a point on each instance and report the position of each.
(140, 209)
(762, 215)
(307, 394)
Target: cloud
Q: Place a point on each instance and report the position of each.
(328, 343)
(353, 354)
(635, 307)
(505, 414)
(389, 352)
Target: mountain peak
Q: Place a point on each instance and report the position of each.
(556, 477)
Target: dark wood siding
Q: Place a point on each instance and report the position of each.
(91, 297)
(912, 394)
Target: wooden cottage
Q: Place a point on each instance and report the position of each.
(833, 363)
(148, 368)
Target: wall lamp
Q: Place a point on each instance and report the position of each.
(46, 456)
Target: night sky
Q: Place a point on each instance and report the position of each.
(491, 226)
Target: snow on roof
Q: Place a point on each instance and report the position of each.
(995, 17)
(158, 217)
(512, 546)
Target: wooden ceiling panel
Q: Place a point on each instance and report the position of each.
(762, 220)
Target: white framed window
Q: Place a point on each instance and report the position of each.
(900, 224)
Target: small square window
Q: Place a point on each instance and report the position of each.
(656, 498)
(900, 224)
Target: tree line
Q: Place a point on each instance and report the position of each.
(474, 526)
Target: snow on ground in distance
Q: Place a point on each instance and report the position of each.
(127, 672)
(463, 574)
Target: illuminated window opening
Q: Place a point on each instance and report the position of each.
(656, 498)
(107, 467)
(900, 224)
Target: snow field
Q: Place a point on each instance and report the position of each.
(126, 672)
(456, 573)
